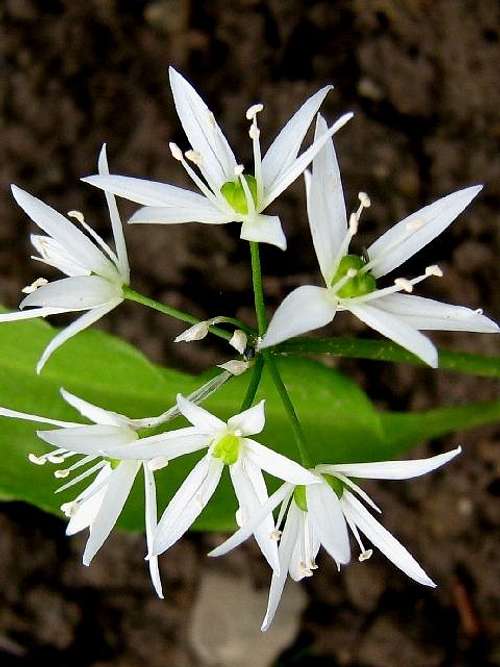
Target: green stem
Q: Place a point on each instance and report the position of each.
(260, 308)
(132, 295)
(288, 405)
(383, 350)
(254, 383)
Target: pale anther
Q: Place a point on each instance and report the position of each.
(365, 555)
(53, 458)
(39, 282)
(37, 460)
(404, 284)
(351, 273)
(238, 170)
(275, 535)
(194, 157)
(253, 111)
(61, 474)
(364, 199)
(78, 215)
(353, 223)
(479, 311)
(176, 151)
(434, 270)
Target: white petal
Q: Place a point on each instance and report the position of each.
(287, 545)
(264, 229)
(13, 414)
(92, 439)
(54, 254)
(188, 503)
(285, 147)
(249, 528)
(205, 136)
(76, 293)
(276, 464)
(65, 233)
(93, 412)
(205, 421)
(305, 309)
(298, 562)
(162, 215)
(117, 491)
(325, 513)
(428, 314)
(249, 422)
(294, 170)
(434, 219)
(86, 513)
(325, 206)
(84, 321)
(397, 330)
(250, 504)
(151, 518)
(30, 314)
(169, 445)
(392, 469)
(116, 223)
(383, 539)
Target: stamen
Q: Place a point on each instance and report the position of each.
(238, 170)
(77, 215)
(39, 282)
(246, 190)
(177, 155)
(479, 311)
(194, 157)
(399, 284)
(81, 477)
(252, 111)
(404, 284)
(340, 283)
(176, 151)
(61, 474)
(37, 460)
(365, 555)
(254, 134)
(68, 509)
(364, 199)
(275, 535)
(434, 270)
(353, 224)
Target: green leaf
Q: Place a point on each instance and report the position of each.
(339, 420)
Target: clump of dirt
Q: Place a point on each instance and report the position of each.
(422, 79)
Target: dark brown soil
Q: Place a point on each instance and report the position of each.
(422, 77)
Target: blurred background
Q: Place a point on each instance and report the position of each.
(422, 78)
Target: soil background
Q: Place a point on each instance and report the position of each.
(422, 77)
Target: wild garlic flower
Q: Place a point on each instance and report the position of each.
(107, 449)
(320, 515)
(228, 194)
(228, 444)
(96, 274)
(352, 281)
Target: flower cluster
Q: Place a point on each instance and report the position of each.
(319, 504)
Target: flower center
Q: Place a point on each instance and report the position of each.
(360, 284)
(234, 194)
(114, 463)
(335, 484)
(300, 497)
(227, 449)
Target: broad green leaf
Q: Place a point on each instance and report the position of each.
(340, 421)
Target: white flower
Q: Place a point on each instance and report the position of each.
(228, 444)
(109, 449)
(96, 274)
(319, 515)
(228, 194)
(351, 280)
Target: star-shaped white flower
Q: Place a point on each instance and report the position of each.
(227, 193)
(96, 274)
(351, 280)
(319, 514)
(228, 444)
(110, 449)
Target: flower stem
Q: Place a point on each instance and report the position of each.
(132, 295)
(288, 405)
(260, 308)
(254, 383)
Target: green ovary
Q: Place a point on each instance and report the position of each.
(114, 463)
(335, 484)
(233, 193)
(360, 284)
(227, 449)
(300, 497)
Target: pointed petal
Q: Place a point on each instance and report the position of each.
(169, 445)
(392, 469)
(116, 223)
(287, 545)
(30, 314)
(84, 321)
(305, 309)
(118, 489)
(285, 147)
(205, 136)
(325, 206)
(93, 412)
(86, 513)
(151, 518)
(14, 414)
(428, 314)
(92, 439)
(383, 540)
(276, 464)
(297, 167)
(434, 219)
(250, 504)
(204, 421)
(188, 503)
(264, 229)
(249, 422)
(249, 528)
(54, 254)
(326, 515)
(397, 330)
(76, 293)
(208, 214)
(65, 233)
